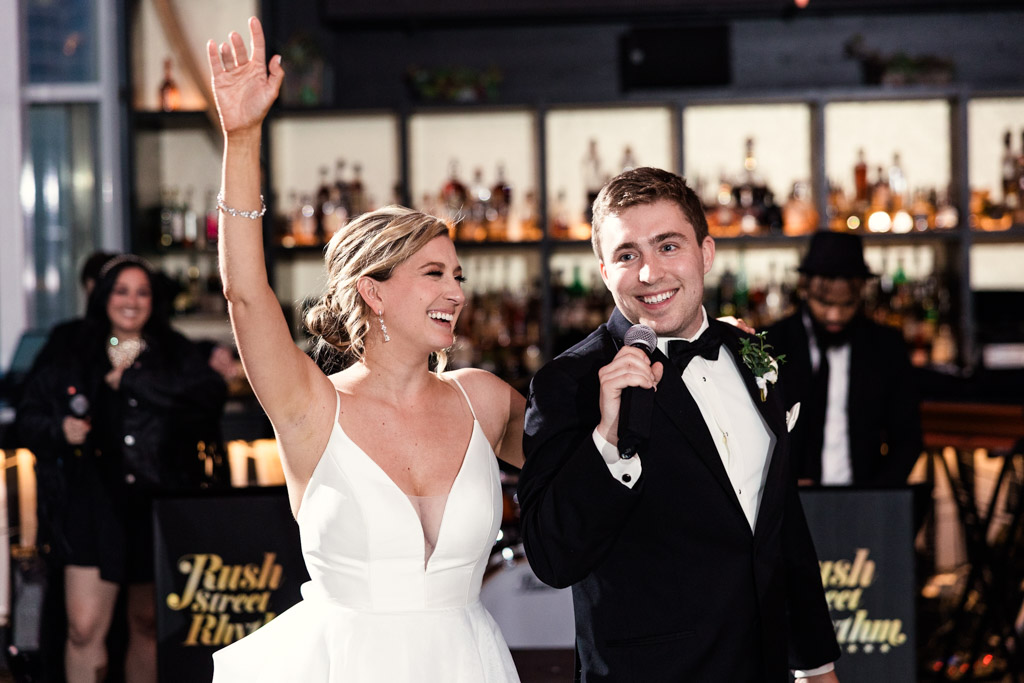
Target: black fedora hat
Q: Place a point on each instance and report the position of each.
(835, 254)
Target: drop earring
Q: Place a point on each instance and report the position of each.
(383, 327)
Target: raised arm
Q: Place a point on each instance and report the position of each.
(292, 390)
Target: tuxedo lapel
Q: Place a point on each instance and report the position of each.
(771, 409)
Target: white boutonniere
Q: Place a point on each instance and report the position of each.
(765, 368)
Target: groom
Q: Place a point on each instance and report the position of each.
(690, 561)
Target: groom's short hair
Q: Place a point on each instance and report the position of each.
(646, 185)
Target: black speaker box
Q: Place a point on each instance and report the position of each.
(675, 57)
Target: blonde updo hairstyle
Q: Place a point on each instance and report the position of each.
(371, 246)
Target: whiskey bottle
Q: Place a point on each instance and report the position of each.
(212, 219)
(897, 183)
(1011, 189)
(323, 196)
(341, 187)
(479, 198)
(169, 95)
(454, 194)
(593, 178)
(628, 162)
(358, 198)
(559, 223)
(860, 177)
(500, 207)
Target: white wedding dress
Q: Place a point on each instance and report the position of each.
(375, 610)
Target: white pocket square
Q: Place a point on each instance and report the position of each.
(791, 416)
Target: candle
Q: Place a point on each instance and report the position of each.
(268, 463)
(239, 453)
(26, 497)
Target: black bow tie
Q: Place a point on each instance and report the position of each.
(681, 351)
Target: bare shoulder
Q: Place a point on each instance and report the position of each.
(488, 392)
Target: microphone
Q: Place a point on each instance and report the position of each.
(636, 403)
(78, 404)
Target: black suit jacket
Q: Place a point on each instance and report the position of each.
(882, 407)
(669, 583)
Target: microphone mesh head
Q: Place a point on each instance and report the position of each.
(642, 336)
(79, 405)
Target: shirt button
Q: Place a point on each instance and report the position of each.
(739, 491)
(129, 440)
(626, 478)
(129, 478)
(133, 403)
(704, 378)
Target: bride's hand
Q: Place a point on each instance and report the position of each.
(242, 87)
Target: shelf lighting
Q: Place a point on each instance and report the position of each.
(879, 221)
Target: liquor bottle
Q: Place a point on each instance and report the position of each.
(177, 219)
(838, 211)
(454, 193)
(775, 299)
(360, 201)
(304, 226)
(1018, 215)
(771, 217)
(341, 186)
(166, 212)
(529, 227)
(500, 208)
(922, 211)
(559, 224)
(169, 95)
(750, 194)
(334, 213)
(798, 214)
(946, 215)
(323, 195)
(593, 178)
(860, 177)
(628, 162)
(190, 231)
(479, 197)
(212, 226)
(725, 213)
(897, 183)
(881, 195)
(1011, 197)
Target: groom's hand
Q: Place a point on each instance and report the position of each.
(631, 367)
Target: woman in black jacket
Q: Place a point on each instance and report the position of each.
(114, 419)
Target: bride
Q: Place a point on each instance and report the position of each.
(390, 467)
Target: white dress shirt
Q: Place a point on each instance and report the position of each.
(836, 469)
(742, 437)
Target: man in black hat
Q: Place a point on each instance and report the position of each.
(859, 417)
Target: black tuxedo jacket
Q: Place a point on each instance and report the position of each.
(669, 583)
(882, 405)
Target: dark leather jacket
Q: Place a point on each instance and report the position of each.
(143, 435)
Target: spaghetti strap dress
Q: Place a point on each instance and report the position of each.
(394, 590)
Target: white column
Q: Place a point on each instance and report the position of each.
(13, 259)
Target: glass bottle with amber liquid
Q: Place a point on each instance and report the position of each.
(454, 196)
(170, 95)
(500, 207)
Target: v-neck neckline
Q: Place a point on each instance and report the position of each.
(407, 503)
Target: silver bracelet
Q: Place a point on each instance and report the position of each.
(251, 215)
